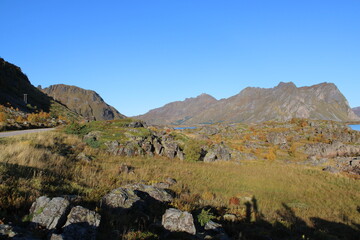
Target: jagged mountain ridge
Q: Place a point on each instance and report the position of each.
(87, 103)
(322, 101)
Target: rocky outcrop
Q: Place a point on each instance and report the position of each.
(175, 220)
(322, 101)
(152, 145)
(81, 224)
(218, 152)
(49, 213)
(87, 103)
(331, 150)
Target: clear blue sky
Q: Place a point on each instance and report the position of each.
(142, 54)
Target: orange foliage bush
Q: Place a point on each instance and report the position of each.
(3, 117)
(38, 117)
(234, 201)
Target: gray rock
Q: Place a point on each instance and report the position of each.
(175, 220)
(94, 135)
(157, 147)
(112, 146)
(120, 198)
(136, 125)
(81, 224)
(161, 185)
(83, 157)
(229, 217)
(124, 168)
(331, 169)
(7, 231)
(170, 181)
(276, 138)
(157, 193)
(50, 213)
(218, 153)
(210, 225)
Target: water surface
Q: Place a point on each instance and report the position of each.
(355, 127)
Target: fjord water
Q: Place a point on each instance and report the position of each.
(355, 127)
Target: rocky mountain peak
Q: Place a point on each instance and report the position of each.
(87, 103)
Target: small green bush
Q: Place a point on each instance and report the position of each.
(192, 151)
(93, 143)
(76, 128)
(204, 217)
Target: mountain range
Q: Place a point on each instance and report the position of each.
(283, 102)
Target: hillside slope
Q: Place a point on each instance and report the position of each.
(14, 84)
(87, 103)
(322, 101)
(357, 111)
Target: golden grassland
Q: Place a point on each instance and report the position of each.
(45, 163)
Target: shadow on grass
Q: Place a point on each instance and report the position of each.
(288, 226)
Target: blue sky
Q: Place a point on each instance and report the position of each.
(142, 54)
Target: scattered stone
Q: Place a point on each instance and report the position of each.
(210, 225)
(331, 169)
(276, 138)
(50, 213)
(170, 181)
(229, 217)
(136, 125)
(94, 135)
(177, 221)
(83, 157)
(124, 168)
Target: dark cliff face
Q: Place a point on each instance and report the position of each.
(322, 101)
(357, 111)
(14, 84)
(87, 103)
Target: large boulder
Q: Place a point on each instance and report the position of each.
(81, 224)
(175, 220)
(50, 213)
(218, 153)
(155, 192)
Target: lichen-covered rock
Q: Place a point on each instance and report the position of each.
(218, 153)
(120, 198)
(50, 213)
(81, 224)
(276, 138)
(177, 221)
(155, 192)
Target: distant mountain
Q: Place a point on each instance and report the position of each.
(179, 112)
(283, 102)
(357, 111)
(14, 84)
(87, 103)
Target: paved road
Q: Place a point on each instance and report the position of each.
(18, 132)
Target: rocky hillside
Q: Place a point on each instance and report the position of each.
(356, 111)
(87, 103)
(14, 84)
(283, 102)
